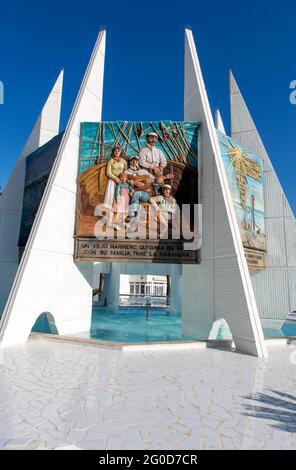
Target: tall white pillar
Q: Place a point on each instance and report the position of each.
(220, 287)
(275, 286)
(48, 280)
(11, 200)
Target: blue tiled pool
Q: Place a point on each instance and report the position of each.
(130, 325)
(288, 329)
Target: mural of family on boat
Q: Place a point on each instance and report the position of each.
(129, 168)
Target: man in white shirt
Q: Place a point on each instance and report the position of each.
(151, 157)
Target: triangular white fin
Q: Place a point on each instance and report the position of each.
(218, 121)
(48, 123)
(45, 128)
(275, 287)
(220, 286)
(48, 280)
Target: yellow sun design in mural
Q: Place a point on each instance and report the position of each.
(243, 167)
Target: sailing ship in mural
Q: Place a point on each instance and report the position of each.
(129, 168)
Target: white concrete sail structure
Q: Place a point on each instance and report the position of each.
(220, 286)
(219, 122)
(48, 123)
(275, 287)
(11, 201)
(48, 280)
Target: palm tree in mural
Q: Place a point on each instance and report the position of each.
(243, 167)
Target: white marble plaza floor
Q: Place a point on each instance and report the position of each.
(54, 394)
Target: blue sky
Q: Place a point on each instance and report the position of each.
(144, 64)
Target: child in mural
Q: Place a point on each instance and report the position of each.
(165, 206)
(115, 167)
(123, 192)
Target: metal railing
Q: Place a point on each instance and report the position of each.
(126, 300)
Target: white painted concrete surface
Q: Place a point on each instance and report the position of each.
(220, 287)
(11, 200)
(275, 287)
(48, 280)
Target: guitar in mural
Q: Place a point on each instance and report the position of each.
(139, 174)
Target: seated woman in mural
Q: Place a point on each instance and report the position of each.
(165, 206)
(115, 167)
(123, 191)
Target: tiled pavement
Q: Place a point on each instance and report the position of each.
(56, 394)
